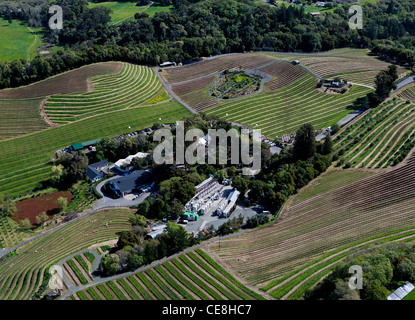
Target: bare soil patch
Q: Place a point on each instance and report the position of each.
(30, 208)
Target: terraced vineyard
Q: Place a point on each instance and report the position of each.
(318, 231)
(194, 93)
(195, 70)
(408, 94)
(382, 138)
(283, 73)
(354, 65)
(191, 276)
(134, 86)
(286, 109)
(78, 269)
(73, 81)
(22, 274)
(25, 160)
(19, 117)
(11, 233)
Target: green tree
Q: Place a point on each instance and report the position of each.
(327, 145)
(405, 270)
(110, 264)
(26, 223)
(62, 202)
(174, 238)
(305, 143)
(7, 205)
(134, 261)
(342, 291)
(335, 128)
(127, 238)
(240, 183)
(56, 173)
(137, 220)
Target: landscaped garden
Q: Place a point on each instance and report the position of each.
(233, 84)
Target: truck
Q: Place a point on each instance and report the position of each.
(191, 216)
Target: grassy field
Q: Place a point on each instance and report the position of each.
(126, 10)
(22, 274)
(314, 233)
(17, 41)
(25, 160)
(19, 117)
(191, 276)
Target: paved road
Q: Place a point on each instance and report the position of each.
(404, 82)
(171, 93)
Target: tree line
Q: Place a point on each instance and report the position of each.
(202, 28)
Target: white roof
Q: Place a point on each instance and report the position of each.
(402, 291)
(128, 160)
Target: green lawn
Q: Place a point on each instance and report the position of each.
(16, 40)
(126, 10)
(410, 296)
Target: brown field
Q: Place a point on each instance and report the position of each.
(69, 82)
(349, 213)
(244, 61)
(283, 73)
(30, 208)
(194, 93)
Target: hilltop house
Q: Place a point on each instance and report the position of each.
(97, 171)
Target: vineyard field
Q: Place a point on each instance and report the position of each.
(380, 139)
(25, 160)
(35, 258)
(20, 117)
(191, 276)
(134, 86)
(354, 213)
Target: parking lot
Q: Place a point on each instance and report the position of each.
(211, 219)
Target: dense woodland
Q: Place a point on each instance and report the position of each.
(384, 269)
(200, 28)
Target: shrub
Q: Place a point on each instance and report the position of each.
(347, 165)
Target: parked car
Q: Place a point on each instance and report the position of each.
(183, 221)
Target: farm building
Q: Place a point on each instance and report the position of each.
(97, 170)
(127, 184)
(401, 292)
(232, 197)
(82, 145)
(206, 184)
(275, 150)
(127, 161)
(168, 64)
(155, 232)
